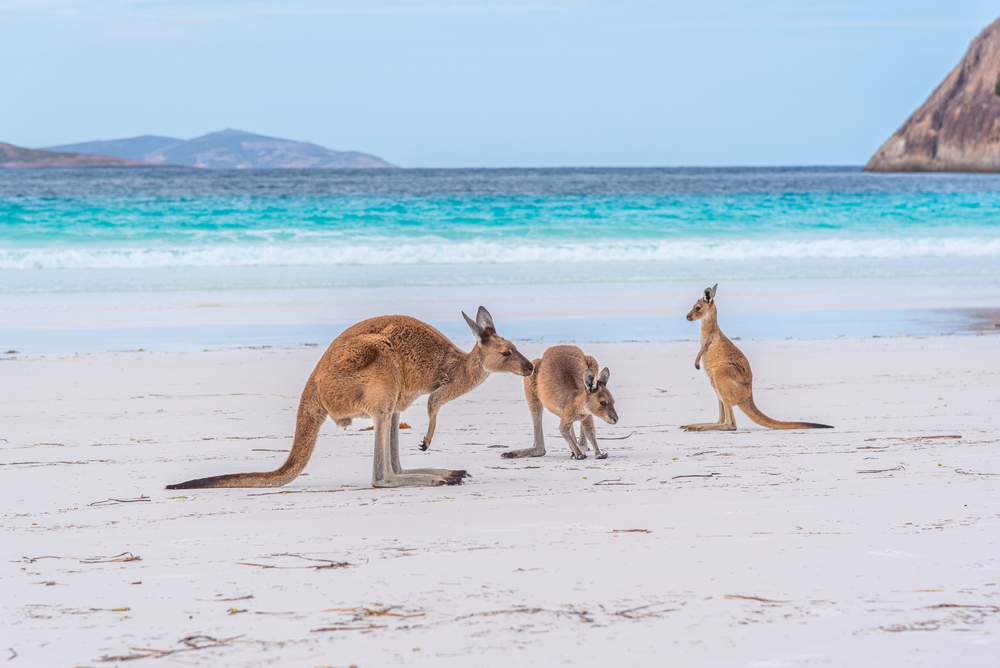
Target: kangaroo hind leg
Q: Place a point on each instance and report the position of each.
(728, 424)
(706, 426)
(394, 444)
(582, 443)
(730, 420)
(382, 466)
(537, 448)
(587, 427)
(397, 467)
(566, 429)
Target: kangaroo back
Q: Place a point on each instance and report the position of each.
(752, 412)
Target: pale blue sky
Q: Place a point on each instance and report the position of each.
(468, 83)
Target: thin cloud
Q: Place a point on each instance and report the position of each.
(812, 24)
(148, 32)
(48, 10)
(174, 23)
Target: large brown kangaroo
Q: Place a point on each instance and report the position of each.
(728, 371)
(566, 382)
(376, 369)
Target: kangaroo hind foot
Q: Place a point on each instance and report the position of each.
(709, 426)
(420, 479)
(447, 473)
(524, 452)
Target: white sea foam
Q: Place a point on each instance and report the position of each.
(374, 252)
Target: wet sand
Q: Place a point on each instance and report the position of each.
(192, 320)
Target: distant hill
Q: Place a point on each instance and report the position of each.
(231, 149)
(15, 157)
(135, 148)
(958, 127)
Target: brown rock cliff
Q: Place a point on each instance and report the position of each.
(958, 127)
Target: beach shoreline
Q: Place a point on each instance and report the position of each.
(177, 321)
(871, 542)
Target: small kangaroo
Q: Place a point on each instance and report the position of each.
(566, 382)
(376, 369)
(729, 372)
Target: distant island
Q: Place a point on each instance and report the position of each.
(958, 128)
(228, 149)
(15, 157)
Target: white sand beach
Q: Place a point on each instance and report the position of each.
(872, 544)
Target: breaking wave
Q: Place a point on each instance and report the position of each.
(385, 251)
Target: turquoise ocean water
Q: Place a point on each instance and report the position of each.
(69, 238)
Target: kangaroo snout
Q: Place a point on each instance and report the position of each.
(612, 417)
(527, 368)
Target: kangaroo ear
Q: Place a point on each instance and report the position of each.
(590, 380)
(474, 326)
(714, 287)
(605, 374)
(484, 319)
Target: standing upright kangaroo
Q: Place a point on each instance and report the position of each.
(728, 371)
(566, 382)
(376, 369)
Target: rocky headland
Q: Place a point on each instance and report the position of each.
(958, 128)
(15, 157)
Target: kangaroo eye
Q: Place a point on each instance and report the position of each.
(697, 308)
(506, 353)
(604, 403)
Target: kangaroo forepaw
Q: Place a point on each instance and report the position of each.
(507, 455)
(579, 456)
(603, 455)
(424, 446)
(697, 366)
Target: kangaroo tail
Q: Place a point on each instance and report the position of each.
(310, 418)
(752, 412)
